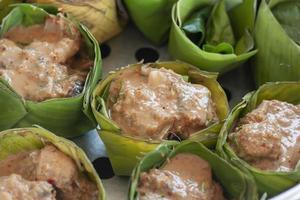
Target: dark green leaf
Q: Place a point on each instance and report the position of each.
(288, 15)
(194, 26)
(218, 27)
(245, 44)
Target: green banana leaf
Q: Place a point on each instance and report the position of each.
(68, 117)
(17, 140)
(277, 36)
(267, 182)
(5, 7)
(218, 40)
(125, 151)
(152, 17)
(233, 181)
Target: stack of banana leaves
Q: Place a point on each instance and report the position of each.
(29, 97)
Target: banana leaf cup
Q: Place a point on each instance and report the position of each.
(67, 117)
(101, 17)
(277, 36)
(125, 151)
(19, 140)
(269, 182)
(153, 18)
(235, 185)
(213, 35)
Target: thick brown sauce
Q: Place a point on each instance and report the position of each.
(269, 136)
(156, 103)
(50, 165)
(39, 61)
(185, 176)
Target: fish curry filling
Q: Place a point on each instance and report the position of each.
(44, 61)
(269, 137)
(185, 176)
(44, 174)
(153, 103)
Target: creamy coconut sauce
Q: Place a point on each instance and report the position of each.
(156, 103)
(43, 61)
(185, 176)
(269, 136)
(46, 165)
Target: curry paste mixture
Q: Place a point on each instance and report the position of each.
(45, 174)
(158, 103)
(44, 61)
(185, 176)
(269, 136)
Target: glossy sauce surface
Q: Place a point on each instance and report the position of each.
(269, 136)
(39, 62)
(156, 103)
(185, 176)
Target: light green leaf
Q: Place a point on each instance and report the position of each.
(221, 48)
(153, 18)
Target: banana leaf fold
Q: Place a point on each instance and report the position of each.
(152, 17)
(5, 7)
(68, 117)
(13, 141)
(269, 183)
(214, 35)
(235, 184)
(101, 17)
(125, 151)
(277, 36)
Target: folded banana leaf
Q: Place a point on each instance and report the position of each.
(235, 184)
(153, 18)
(67, 117)
(268, 182)
(100, 17)
(214, 35)
(5, 7)
(125, 151)
(18, 140)
(277, 36)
